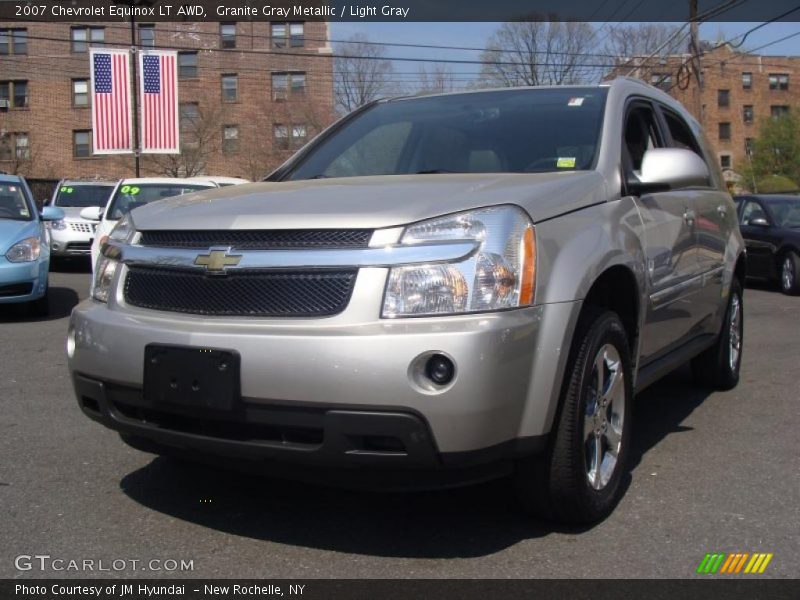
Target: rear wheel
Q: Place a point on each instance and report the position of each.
(790, 273)
(579, 480)
(718, 366)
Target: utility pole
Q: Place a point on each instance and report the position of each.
(135, 87)
(694, 51)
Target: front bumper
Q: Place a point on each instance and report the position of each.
(69, 242)
(22, 282)
(338, 372)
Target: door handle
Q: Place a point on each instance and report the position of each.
(722, 210)
(689, 216)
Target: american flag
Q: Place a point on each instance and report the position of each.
(159, 83)
(111, 111)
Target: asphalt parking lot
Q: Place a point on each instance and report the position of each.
(711, 473)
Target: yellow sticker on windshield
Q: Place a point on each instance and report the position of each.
(566, 162)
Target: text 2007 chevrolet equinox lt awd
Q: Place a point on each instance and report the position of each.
(437, 290)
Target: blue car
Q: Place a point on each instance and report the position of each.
(24, 246)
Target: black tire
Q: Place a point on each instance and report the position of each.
(40, 307)
(714, 367)
(789, 273)
(557, 486)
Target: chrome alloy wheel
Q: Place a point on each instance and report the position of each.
(604, 413)
(787, 273)
(735, 332)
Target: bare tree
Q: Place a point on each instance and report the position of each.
(361, 73)
(539, 53)
(201, 138)
(436, 79)
(642, 39)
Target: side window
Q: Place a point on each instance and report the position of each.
(752, 211)
(680, 133)
(641, 134)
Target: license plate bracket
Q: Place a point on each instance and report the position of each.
(203, 378)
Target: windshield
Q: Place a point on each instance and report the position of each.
(13, 204)
(786, 211)
(522, 131)
(130, 196)
(82, 195)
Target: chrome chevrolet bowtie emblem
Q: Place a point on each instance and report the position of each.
(217, 260)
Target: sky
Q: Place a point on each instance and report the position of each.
(476, 35)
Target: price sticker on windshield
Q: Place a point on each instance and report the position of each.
(130, 189)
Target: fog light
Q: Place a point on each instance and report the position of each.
(440, 369)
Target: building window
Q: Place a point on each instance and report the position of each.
(14, 144)
(13, 41)
(280, 134)
(747, 81)
(287, 34)
(80, 92)
(13, 94)
(661, 80)
(778, 81)
(747, 113)
(285, 83)
(725, 161)
(187, 65)
(724, 131)
(723, 98)
(227, 35)
(81, 144)
(748, 146)
(299, 134)
(147, 36)
(230, 139)
(82, 37)
(189, 113)
(230, 88)
(778, 110)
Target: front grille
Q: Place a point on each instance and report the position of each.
(288, 239)
(15, 289)
(81, 227)
(79, 246)
(311, 293)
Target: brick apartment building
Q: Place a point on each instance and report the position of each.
(247, 97)
(738, 91)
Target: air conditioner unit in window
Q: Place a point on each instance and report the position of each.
(5, 104)
(279, 95)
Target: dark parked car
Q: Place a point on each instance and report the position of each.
(771, 229)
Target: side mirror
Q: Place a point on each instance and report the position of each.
(52, 213)
(92, 213)
(668, 168)
(758, 222)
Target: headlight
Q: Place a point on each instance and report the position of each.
(27, 250)
(57, 225)
(107, 262)
(500, 275)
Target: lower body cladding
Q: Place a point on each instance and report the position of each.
(405, 403)
(22, 282)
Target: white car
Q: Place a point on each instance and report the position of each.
(133, 193)
(72, 236)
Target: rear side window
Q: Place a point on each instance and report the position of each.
(682, 136)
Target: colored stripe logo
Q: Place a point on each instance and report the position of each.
(734, 563)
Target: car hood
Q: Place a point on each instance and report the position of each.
(72, 213)
(12, 231)
(370, 202)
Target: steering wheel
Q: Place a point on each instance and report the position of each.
(549, 161)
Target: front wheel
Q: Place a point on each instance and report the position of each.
(790, 273)
(579, 481)
(718, 367)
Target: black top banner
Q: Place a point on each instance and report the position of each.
(400, 10)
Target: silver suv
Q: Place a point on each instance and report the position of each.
(436, 290)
